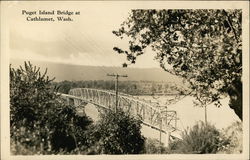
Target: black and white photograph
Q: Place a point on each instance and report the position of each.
(125, 79)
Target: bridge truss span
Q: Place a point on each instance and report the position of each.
(147, 111)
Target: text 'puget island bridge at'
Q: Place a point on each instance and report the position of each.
(151, 115)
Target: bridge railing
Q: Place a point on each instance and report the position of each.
(149, 112)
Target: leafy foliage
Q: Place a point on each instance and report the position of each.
(200, 139)
(116, 133)
(40, 122)
(203, 46)
(233, 135)
(153, 146)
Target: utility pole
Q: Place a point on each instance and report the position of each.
(161, 122)
(160, 133)
(116, 87)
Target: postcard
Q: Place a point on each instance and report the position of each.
(125, 80)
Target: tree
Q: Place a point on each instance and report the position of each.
(116, 133)
(203, 46)
(38, 117)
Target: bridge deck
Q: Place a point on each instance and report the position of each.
(147, 111)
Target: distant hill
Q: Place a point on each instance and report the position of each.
(77, 72)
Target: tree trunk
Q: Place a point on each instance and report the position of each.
(235, 94)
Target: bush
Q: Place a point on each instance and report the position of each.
(200, 139)
(116, 133)
(39, 120)
(233, 139)
(153, 146)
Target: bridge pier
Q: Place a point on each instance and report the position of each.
(79, 104)
(70, 101)
(80, 107)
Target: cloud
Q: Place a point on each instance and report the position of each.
(64, 47)
(81, 49)
(88, 40)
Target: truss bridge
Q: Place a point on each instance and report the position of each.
(150, 113)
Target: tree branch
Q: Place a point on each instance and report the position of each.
(231, 26)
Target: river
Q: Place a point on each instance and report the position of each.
(186, 112)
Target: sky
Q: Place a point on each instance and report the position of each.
(87, 40)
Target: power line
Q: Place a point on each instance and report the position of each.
(101, 50)
(80, 49)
